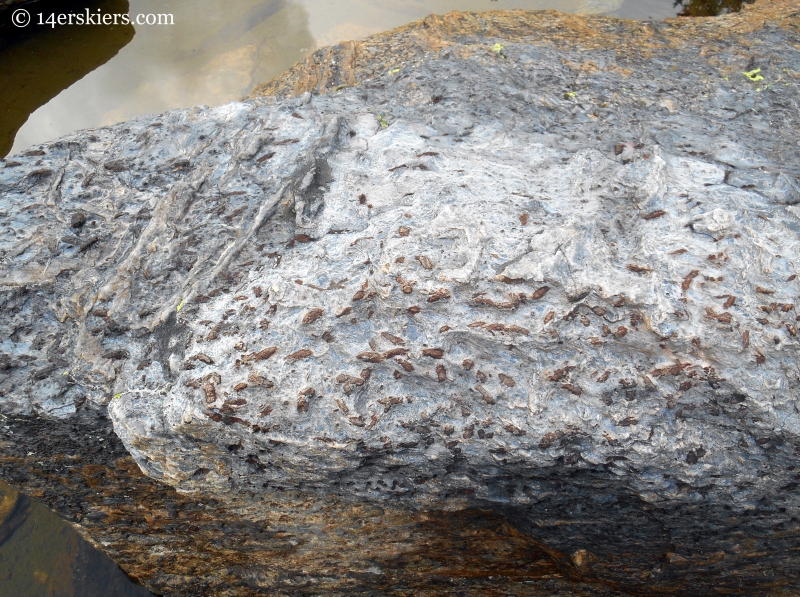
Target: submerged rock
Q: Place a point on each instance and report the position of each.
(554, 281)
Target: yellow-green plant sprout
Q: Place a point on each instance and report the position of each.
(179, 307)
(498, 49)
(119, 395)
(383, 122)
(569, 95)
(394, 71)
(753, 75)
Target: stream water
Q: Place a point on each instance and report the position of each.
(54, 80)
(41, 555)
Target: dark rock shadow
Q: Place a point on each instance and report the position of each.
(38, 62)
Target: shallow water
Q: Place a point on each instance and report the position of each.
(42, 556)
(57, 80)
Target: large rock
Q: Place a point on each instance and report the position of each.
(554, 281)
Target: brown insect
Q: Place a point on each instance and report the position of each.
(487, 397)
(240, 386)
(362, 198)
(403, 231)
(406, 286)
(240, 346)
(507, 280)
(548, 439)
(549, 317)
(539, 293)
(389, 402)
(405, 364)
(442, 293)
(746, 338)
(400, 260)
(303, 399)
(414, 310)
(603, 377)
(345, 311)
(791, 329)
(395, 352)
(370, 357)
(342, 406)
(202, 357)
(654, 215)
(441, 373)
(468, 364)
(481, 376)
(393, 339)
(259, 380)
(261, 355)
(762, 290)
(507, 380)
(300, 354)
(679, 252)
(638, 269)
(687, 281)
(599, 311)
(573, 389)
(792, 277)
(721, 317)
(312, 316)
(257, 291)
(434, 353)
(621, 332)
(558, 374)
(426, 263)
(628, 421)
(514, 430)
(523, 219)
(444, 329)
(209, 387)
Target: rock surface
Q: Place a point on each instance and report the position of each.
(557, 280)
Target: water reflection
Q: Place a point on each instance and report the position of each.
(37, 66)
(708, 8)
(217, 51)
(42, 556)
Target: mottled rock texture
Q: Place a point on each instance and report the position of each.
(554, 277)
